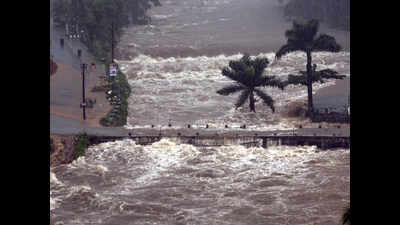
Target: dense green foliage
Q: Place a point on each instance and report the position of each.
(334, 12)
(248, 75)
(303, 37)
(81, 144)
(317, 76)
(95, 19)
(119, 89)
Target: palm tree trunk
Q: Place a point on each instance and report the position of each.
(251, 104)
(309, 84)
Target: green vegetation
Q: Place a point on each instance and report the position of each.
(118, 94)
(81, 144)
(247, 74)
(303, 37)
(334, 12)
(95, 19)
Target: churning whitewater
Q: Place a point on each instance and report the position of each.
(182, 90)
(173, 66)
(168, 183)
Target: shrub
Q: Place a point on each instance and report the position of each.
(119, 87)
(81, 144)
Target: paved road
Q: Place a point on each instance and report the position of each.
(66, 83)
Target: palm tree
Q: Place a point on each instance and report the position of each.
(317, 76)
(303, 37)
(247, 74)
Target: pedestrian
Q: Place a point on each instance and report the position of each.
(93, 66)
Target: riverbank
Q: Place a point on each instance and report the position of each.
(63, 150)
(117, 95)
(332, 97)
(66, 85)
(67, 148)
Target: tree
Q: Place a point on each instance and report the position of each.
(247, 74)
(303, 37)
(346, 217)
(95, 18)
(317, 76)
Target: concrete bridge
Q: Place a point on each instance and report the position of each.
(323, 138)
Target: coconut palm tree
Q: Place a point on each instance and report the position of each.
(303, 37)
(247, 74)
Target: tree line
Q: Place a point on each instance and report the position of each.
(94, 19)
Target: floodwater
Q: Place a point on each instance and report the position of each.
(169, 183)
(174, 68)
(174, 64)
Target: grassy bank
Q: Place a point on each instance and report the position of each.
(117, 94)
(81, 144)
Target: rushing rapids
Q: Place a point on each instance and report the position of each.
(174, 68)
(166, 183)
(182, 90)
(174, 64)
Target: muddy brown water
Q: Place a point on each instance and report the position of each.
(173, 66)
(167, 183)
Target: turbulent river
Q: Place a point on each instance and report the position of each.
(166, 183)
(174, 68)
(174, 64)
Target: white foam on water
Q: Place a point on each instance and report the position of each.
(167, 165)
(54, 180)
(184, 88)
(53, 203)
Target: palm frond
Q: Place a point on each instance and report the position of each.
(259, 64)
(316, 76)
(297, 79)
(246, 59)
(286, 49)
(311, 29)
(230, 74)
(230, 89)
(330, 74)
(272, 81)
(242, 98)
(266, 99)
(327, 43)
(302, 32)
(237, 66)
